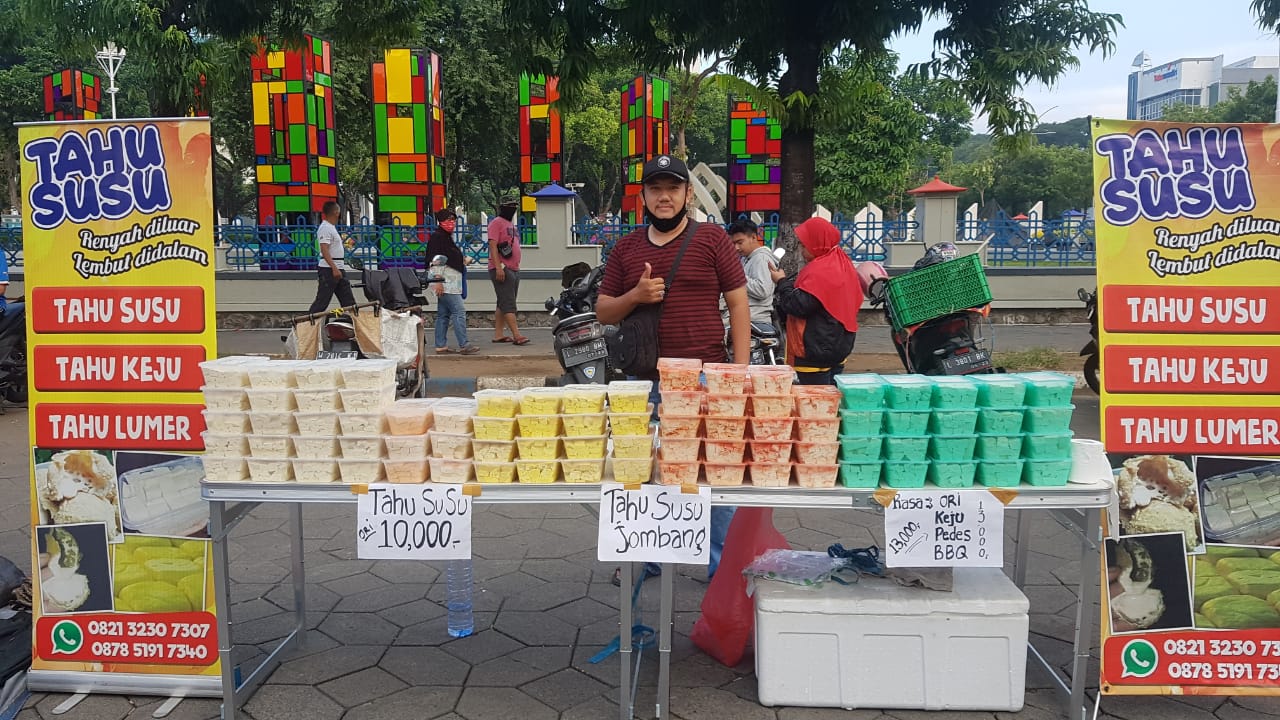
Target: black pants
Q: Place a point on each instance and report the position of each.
(826, 377)
(329, 285)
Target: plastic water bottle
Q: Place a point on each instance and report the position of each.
(458, 577)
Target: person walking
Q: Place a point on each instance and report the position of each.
(819, 305)
(450, 292)
(504, 272)
(331, 274)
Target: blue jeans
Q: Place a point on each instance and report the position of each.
(451, 311)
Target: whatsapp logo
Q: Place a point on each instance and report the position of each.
(1139, 658)
(67, 637)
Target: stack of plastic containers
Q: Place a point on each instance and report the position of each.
(951, 424)
(680, 420)
(1046, 439)
(631, 441)
(408, 441)
(908, 409)
(773, 425)
(586, 440)
(368, 389)
(725, 424)
(861, 424)
(1000, 411)
(817, 427)
(450, 439)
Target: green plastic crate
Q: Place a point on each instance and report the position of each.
(937, 290)
(860, 475)
(952, 474)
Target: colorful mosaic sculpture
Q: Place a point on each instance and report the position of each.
(540, 134)
(755, 159)
(408, 136)
(293, 134)
(71, 95)
(646, 112)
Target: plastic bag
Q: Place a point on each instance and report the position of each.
(728, 613)
(400, 336)
(368, 327)
(798, 567)
(304, 340)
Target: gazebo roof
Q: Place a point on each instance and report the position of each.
(937, 187)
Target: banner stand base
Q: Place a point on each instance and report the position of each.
(172, 686)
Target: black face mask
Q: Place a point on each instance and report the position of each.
(668, 224)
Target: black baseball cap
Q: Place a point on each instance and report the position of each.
(664, 165)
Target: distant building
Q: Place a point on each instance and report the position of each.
(1202, 82)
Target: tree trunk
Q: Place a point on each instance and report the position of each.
(796, 203)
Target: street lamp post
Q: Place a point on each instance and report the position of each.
(109, 59)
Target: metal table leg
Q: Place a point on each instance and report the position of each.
(299, 574)
(663, 708)
(1022, 546)
(1086, 611)
(218, 532)
(626, 703)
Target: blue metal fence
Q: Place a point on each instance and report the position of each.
(1033, 241)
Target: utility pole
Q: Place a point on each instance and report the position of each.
(109, 59)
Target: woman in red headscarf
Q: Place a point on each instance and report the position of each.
(820, 305)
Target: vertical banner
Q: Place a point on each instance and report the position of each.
(117, 249)
(1188, 229)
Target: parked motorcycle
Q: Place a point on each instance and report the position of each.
(578, 336)
(13, 357)
(1090, 352)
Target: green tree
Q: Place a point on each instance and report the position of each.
(1060, 176)
(591, 147)
(1256, 104)
(1071, 133)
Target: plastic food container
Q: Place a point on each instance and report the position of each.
(272, 423)
(904, 447)
(495, 472)
(681, 403)
(1054, 446)
(999, 447)
(1000, 473)
(224, 469)
(679, 374)
(587, 425)
(629, 396)
(906, 422)
(908, 392)
(724, 428)
(500, 451)
(584, 399)
(313, 424)
(952, 448)
(772, 428)
(636, 423)
(771, 475)
(451, 471)
(270, 400)
(816, 401)
(860, 448)
(586, 448)
(816, 476)
(632, 447)
(540, 400)
(371, 374)
(1004, 421)
(773, 406)
(861, 422)
(454, 415)
(824, 453)
(361, 447)
(353, 423)
(538, 448)
(954, 393)
(632, 470)
(860, 475)
(906, 475)
(497, 403)
(409, 417)
(314, 401)
(539, 472)
(724, 474)
(1048, 419)
(271, 446)
(813, 430)
(1046, 389)
(225, 445)
(580, 472)
(404, 447)
(274, 374)
(678, 473)
(726, 405)
(956, 474)
(270, 470)
(360, 472)
(1000, 390)
(726, 378)
(491, 428)
(367, 400)
(1046, 473)
(227, 372)
(771, 452)
(771, 379)
(225, 400)
(406, 471)
(315, 471)
(318, 375)
(725, 452)
(679, 426)
(539, 426)
(226, 423)
(864, 391)
(444, 445)
(953, 422)
(681, 449)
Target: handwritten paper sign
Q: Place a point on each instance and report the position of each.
(413, 522)
(940, 528)
(654, 523)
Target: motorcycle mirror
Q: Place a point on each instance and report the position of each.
(1083, 295)
(439, 260)
(778, 252)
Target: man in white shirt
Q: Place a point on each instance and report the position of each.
(330, 268)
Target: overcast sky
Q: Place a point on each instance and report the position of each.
(1166, 29)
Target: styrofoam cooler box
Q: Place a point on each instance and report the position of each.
(877, 644)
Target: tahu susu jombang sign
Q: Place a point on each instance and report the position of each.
(118, 262)
(1188, 248)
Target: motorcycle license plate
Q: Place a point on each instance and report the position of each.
(594, 350)
(336, 354)
(969, 362)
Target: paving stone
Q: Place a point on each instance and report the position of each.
(806, 539)
(940, 715)
(1265, 705)
(291, 702)
(551, 545)
(482, 598)
(337, 570)
(481, 647)
(435, 632)
(546, 596)
(94, 707)
(424, 666)
(327, 665)
(253, 610)
(359, 629)
(556, 570)
(565, 689)
(608, 671)
(486, 570)
(583, 612)
(362, 687)
(310, 643)
(519, 667)
(318, 597)
(502, 704)
(497, 548)
(496, 526)
(264, 629)
(535, 628)
(706, 703)
(412, 613)
(1052, 598)
(1208, 702)
(700, 671)
(1229, 711)
(1057, 627)
(244, 592)
(511, 584)
(258, 572)
(416, 703)
(600, 632)
(744, 686)
(383, 598)
(829, 714)
(352, 584)
(597, 708)
(572, 527)
(404, 571)
(28, 714)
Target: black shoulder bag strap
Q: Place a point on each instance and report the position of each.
(687, 235)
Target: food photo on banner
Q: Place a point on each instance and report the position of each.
(75, 575)
(1148, 584)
